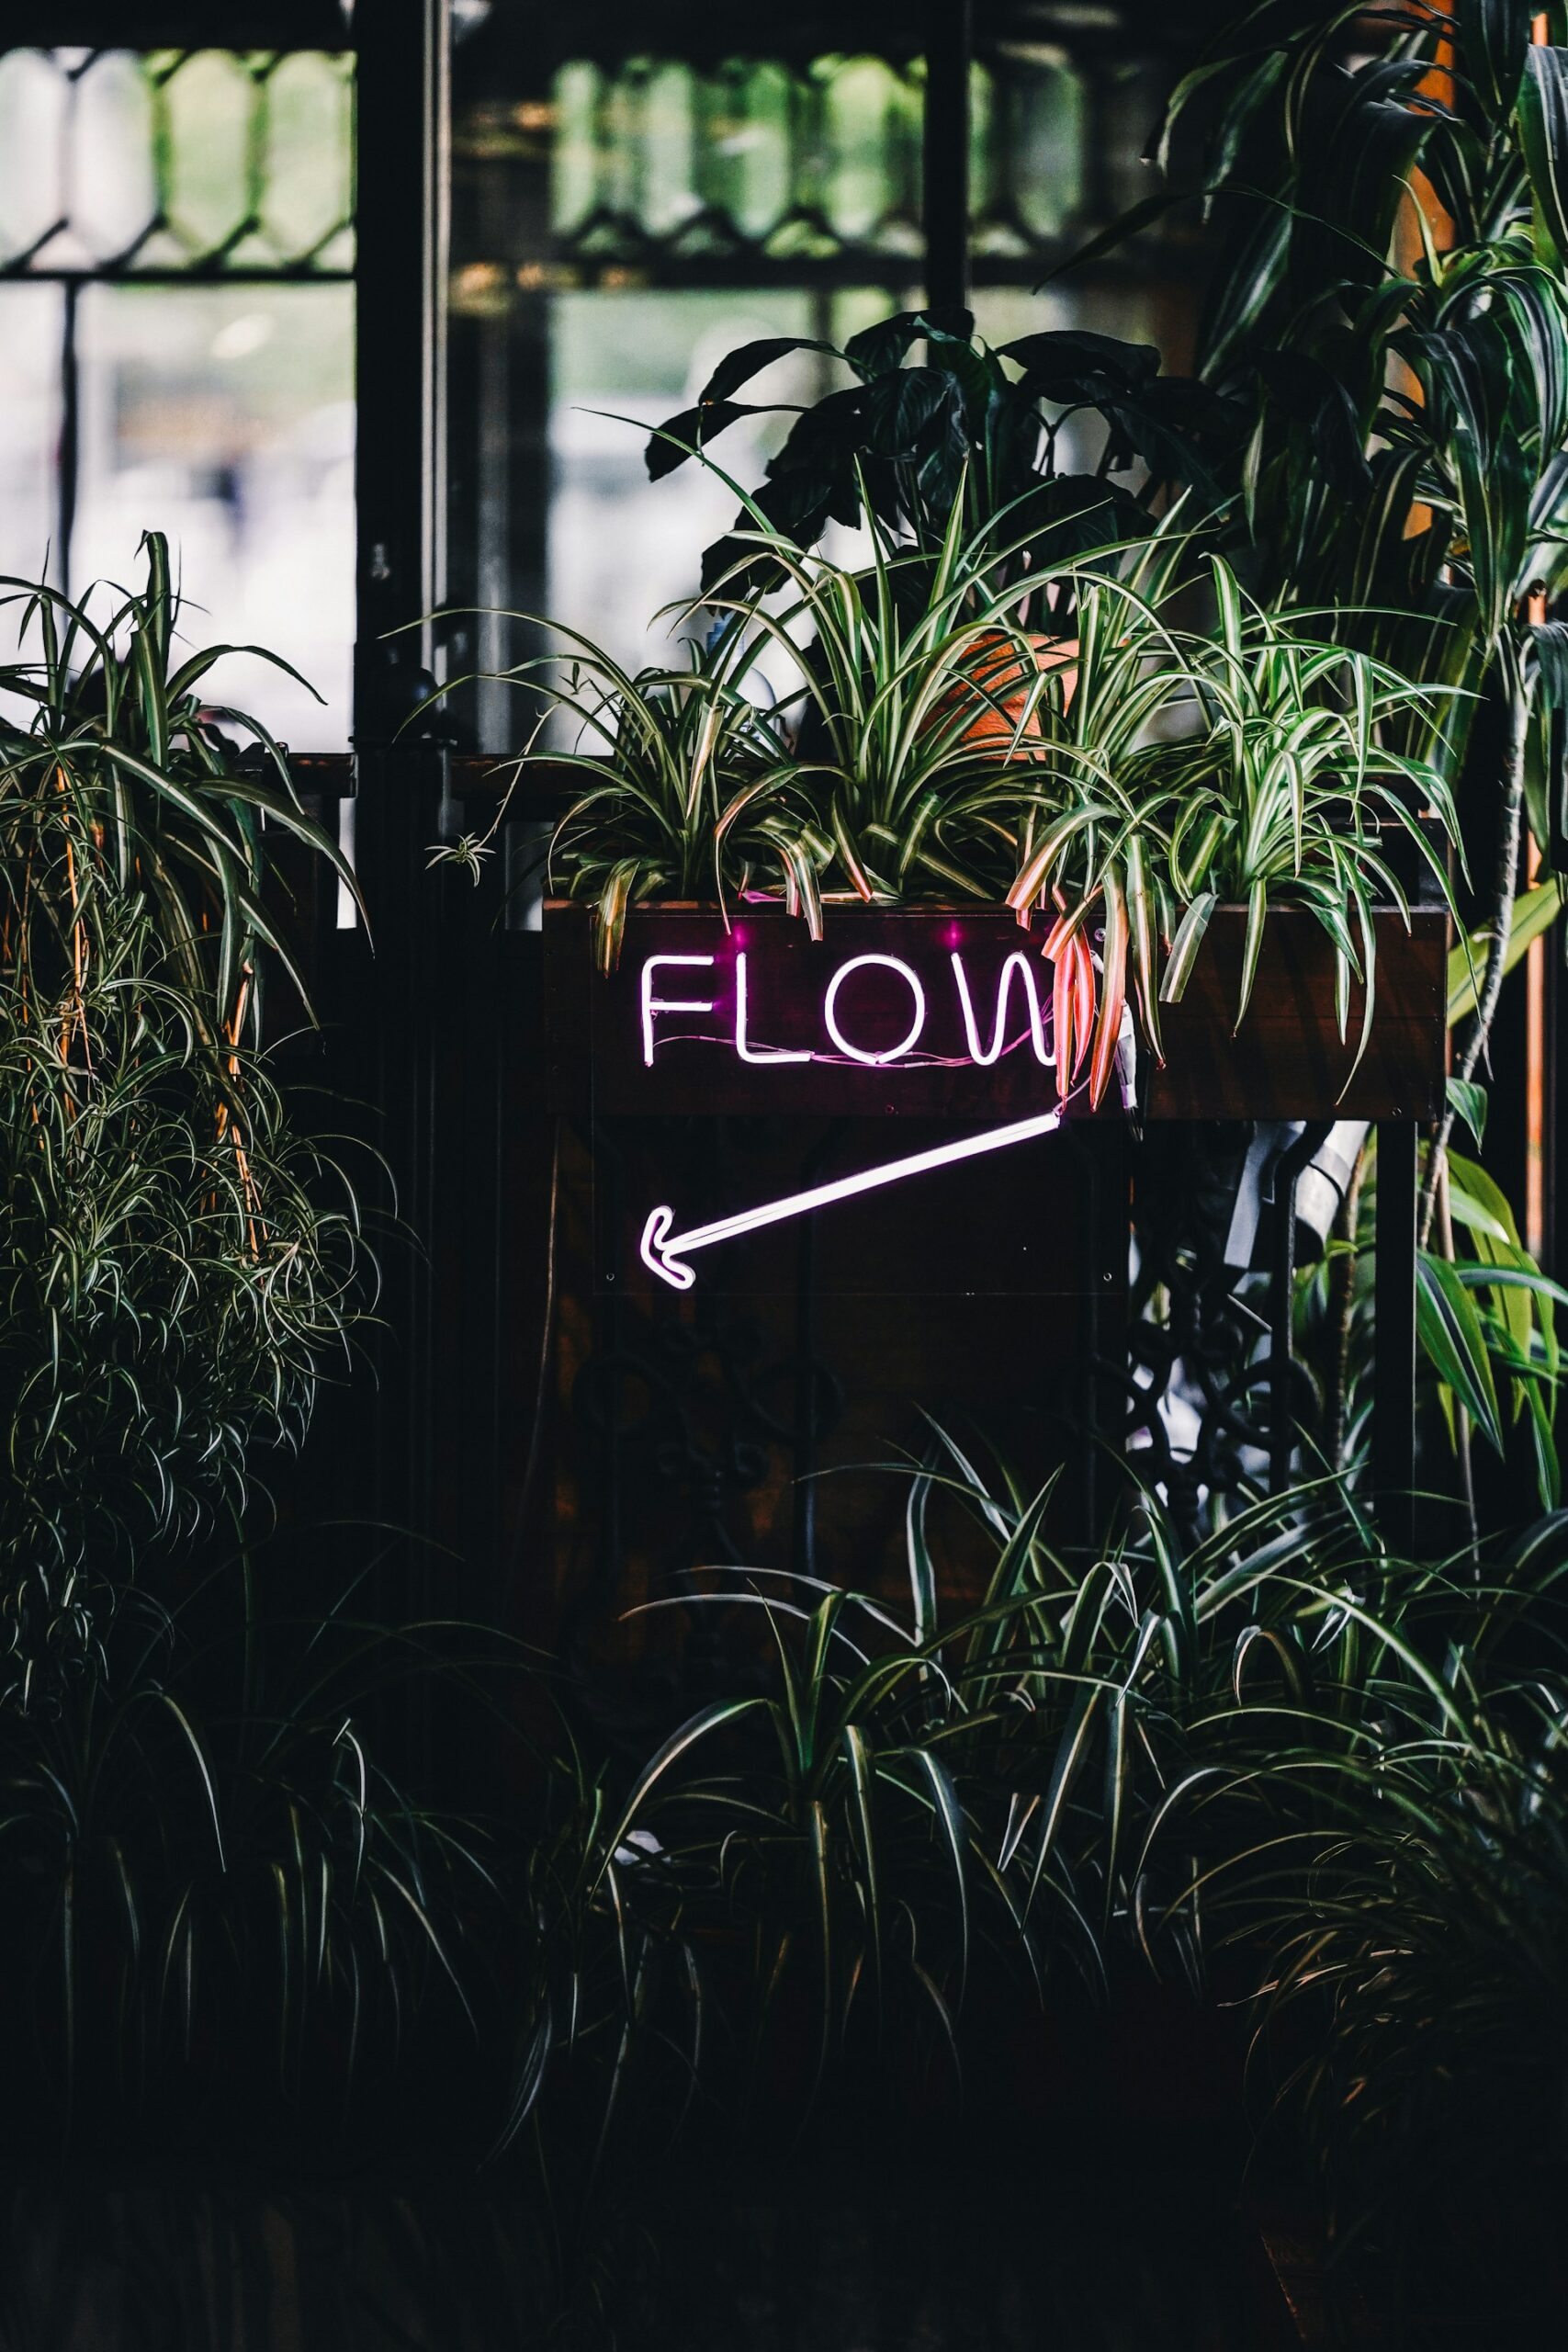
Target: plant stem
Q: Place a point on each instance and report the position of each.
(1345, 1286)
(1505, 882)
(1462, 1418)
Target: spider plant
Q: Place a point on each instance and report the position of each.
(681, 796)
(830, 1826)
(1108, 1671)
(915, 725)
(908, 1777)
(1428, 1932)
(936, 744)
(1392, 1865)
(215, 1888)
(1094, 852)
(175, 1276)
(612, 1977)
(1287, 786)
(1250, 762)
(177, 1263)
(929, 741)
(119, 778)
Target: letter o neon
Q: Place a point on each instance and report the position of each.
(857, 1053)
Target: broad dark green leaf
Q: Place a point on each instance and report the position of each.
(674, 442)
(749, 359)
(900, 408)
(887, 343)
(1072, 364)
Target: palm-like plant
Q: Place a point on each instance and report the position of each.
(1408, 452)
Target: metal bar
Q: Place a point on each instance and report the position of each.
(1281, 1302)
(400, 275)
(401, 48)
(950, 43)
(197, 274)
(1393, 1391)
(69, 463)
(887, 274)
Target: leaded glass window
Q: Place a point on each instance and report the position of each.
(623, 214)
(176, 323)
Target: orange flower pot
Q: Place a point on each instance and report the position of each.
(1004, 719)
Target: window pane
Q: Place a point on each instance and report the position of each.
(620, 546)
(114, 160)
(31, 323)
(224, 416)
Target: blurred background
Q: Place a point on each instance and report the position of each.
(630, 194)
(176, 342)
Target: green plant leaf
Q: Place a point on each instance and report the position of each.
(1467, 1100)
(1534, 912)
(1451, 1332)
(1543, 128)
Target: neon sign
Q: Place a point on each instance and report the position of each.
(665, 1252)
(913, 1012)
(843, 1010)
(947, 1013)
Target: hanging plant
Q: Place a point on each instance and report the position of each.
(177, 1263)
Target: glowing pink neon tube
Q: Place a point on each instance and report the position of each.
(662, 1252)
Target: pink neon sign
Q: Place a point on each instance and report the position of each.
(919, 1013)
(666, 1017)
(665, 1252)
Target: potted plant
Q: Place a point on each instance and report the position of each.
(1078, 438)
(215, 1896)
(1139, 806)
(1390, 317)
(179, 1260)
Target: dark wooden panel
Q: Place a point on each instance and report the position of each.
(596, 1024)
(1288, 1060)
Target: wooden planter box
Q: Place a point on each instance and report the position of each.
(1287, 1061)
(759, 1018)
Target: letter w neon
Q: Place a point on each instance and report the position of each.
(1020, 963)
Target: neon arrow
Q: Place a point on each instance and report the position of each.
(663, 1251)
